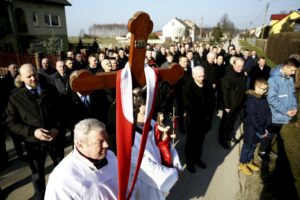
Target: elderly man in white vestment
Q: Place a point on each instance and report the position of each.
(89, 171)
(154, 179)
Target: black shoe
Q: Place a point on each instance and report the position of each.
(263, 157)
(191, 168)
(224, 145)
(201, 164)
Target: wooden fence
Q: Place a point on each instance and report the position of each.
(20, 59)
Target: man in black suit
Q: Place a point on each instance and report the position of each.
(94, 105)
(233, 89)
(199, 103)
(33, 112)
(261, 70)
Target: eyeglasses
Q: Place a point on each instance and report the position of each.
(264, 89)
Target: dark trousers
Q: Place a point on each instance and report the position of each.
(3, 152)
(37, 153)
(227, 124)
(193, 147)
(274, 130)
(247, 153)
(196, 133)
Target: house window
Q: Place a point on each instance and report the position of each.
(52, 20)
(35, 19)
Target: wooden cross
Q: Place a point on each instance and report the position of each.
(140, 26)
(85, 82)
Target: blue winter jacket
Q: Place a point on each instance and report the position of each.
(281, 96)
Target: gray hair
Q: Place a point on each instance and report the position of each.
(84, 127)
(198, 69)
(211, 55)
(232, 60)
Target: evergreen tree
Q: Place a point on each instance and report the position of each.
(80, 45)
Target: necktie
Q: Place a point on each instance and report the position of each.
(34, 92)
(86, 101)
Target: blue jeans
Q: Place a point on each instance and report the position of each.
(247, 153)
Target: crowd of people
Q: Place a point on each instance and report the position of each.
(39, 107)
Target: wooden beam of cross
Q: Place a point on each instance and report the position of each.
(140, 26)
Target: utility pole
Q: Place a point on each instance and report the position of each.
(264, 24)
(201, 26)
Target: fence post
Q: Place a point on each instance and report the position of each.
(37, 60)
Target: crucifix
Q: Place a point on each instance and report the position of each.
(84, 82)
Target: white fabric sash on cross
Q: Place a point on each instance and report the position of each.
(126, 91)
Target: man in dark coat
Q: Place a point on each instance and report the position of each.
(78, 63)
(233, 89)
(94, 105)
(199, 103)
(178, 89)
(46, 68)
(60, 80)
(211, 69)
(122, 60)
(261, 70)
(33, 111)
(8, 87)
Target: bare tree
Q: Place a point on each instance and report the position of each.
(227, 26)
(81, 33)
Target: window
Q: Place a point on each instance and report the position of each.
(52, 20)
(35, 19)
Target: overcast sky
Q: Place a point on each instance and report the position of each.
(244, 14)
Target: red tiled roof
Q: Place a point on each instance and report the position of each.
(278, 16)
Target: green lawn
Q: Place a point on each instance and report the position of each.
(245, 45)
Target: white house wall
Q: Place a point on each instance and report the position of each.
(171, 29)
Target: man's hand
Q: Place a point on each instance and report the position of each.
(45, 135)
(266, 134)
(42, 134)
(292, 113)
(227, 110)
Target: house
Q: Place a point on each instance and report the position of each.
(33, 25)
(277, 21)
(276, 18)
(178, 29)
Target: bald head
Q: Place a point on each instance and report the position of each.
(29, 75)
